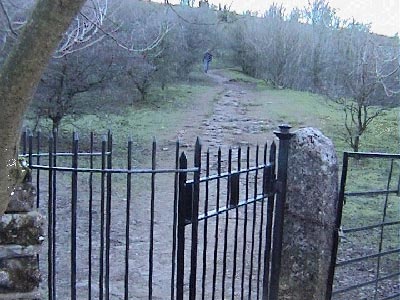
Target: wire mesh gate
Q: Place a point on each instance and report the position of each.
(367, 265)
(119, 232)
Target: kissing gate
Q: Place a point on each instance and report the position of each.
(118, 231)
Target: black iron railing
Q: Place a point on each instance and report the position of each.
(110, 228)
(90, 181)
(241, 209)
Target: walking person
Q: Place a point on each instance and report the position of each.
(207, 58)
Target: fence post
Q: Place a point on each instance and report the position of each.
(268, 189)
(195, 215)
(180, 251)
(74, 213)
(284, 136)
(310, 213)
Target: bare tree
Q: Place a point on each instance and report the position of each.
(387, 62)
(21, 73)
(282, 46)
(13, 14)
(323, 20)
(144, 29)
(67, 77)
(186, 34)
(88, 28)
(363, 87)
(339, 58)
(140, 71)
(268, 47)
(84, 58)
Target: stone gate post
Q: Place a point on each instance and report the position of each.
(21, 233)
(310, 212)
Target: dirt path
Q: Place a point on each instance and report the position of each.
(229, 123)
(220, 119)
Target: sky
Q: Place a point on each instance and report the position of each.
(384, 15)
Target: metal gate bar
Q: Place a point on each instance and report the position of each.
(359, 159)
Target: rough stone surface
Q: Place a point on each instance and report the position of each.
(21, 233)
(22, 229)
(19, 275)
(22, 198)
(310, 214)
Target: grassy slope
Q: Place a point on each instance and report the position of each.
(301, 109)
(112, 109)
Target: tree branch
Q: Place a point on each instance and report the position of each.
(9, 23)
(86, 26)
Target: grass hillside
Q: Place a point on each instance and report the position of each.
(166, 111)
(303, 109)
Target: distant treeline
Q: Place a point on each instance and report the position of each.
(139, 44)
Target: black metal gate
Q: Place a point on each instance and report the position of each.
(234, 228)
(366, 264)
(117, 231)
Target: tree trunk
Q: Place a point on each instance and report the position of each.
(356, 144)
(56, 124)
(143, 94)
(21, 73)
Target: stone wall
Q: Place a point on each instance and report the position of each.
(310, 212)
(21, 233)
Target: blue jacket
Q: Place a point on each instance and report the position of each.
(207, 57)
